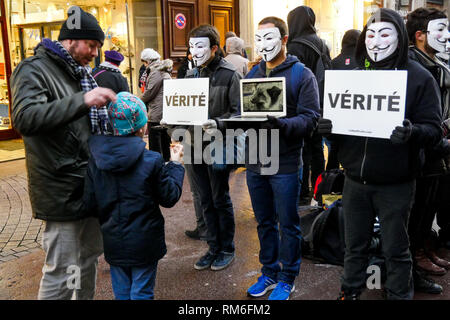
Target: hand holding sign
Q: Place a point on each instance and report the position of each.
(210, 126)
(324, 127)
(402, 135)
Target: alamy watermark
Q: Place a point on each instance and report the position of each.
(74, 280)
(374, 279)
(235, 148)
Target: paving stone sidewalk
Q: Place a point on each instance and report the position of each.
(20, 234)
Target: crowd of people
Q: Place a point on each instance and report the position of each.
(99, 189)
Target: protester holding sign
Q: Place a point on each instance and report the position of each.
(212, 184)
(380, 173)
(427, 31)
(274, 196)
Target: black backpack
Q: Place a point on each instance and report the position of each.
(323, 231)
(322, 64)
(323, 237)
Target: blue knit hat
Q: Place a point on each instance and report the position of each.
(127, 115)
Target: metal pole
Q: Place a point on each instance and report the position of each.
(129, 55)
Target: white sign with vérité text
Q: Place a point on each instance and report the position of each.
(186, 101)
(367, 103)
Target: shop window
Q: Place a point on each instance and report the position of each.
(5, 118)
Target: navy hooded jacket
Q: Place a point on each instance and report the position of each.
(125, 185)
(302, 113)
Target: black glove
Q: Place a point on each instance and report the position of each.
(402, 135)
(324, 127)
(271, 123)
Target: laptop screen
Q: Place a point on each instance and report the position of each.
(263, 96)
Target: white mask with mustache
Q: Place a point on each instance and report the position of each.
(268, 43)
(437, 34)
(200, 49)
(381, 40)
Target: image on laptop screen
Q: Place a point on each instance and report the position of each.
(266, 95)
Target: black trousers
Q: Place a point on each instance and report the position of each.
(443, 211)
(313, 162)
(423, 211)
(392, 204)
(159, 140)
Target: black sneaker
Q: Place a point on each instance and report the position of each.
(205, 262)
(426, 285)
(222, 261)
(194, 234)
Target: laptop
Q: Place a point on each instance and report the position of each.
(261, 97)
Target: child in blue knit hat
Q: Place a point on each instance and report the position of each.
(125, 185)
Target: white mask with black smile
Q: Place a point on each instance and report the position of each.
(200, 49)
(437, 34)
(381, 40)
(268, 43)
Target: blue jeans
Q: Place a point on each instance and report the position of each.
(212, 186)
(274, 201)
(300, 178)
(133, 283)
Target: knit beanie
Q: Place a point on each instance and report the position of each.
(114, 57)
(81, 25)
(127, 115)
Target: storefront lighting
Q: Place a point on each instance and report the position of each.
(94, 11)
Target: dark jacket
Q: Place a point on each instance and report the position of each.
(437, 158)
(184, 67)
(379, 161)
(346, 59)
(110, 78)
(49, 112)
(301, 23)
(301, 118)
(125, 185)
(224, 91)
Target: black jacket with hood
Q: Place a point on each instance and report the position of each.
(301, 22)
(346, 59)
(379, 161)
(437, 158)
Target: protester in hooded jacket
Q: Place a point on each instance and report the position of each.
(428, 33)
(344, 61)
(301, 22)
(108, 74)
(158, 139)
(274, 191)
(234, 56)
(380, 174)
(212, 184)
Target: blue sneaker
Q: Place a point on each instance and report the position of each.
(261, 287)
(282, 291)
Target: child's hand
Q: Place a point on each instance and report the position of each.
(176, 152)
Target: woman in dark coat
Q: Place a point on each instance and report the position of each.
(108, 74)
